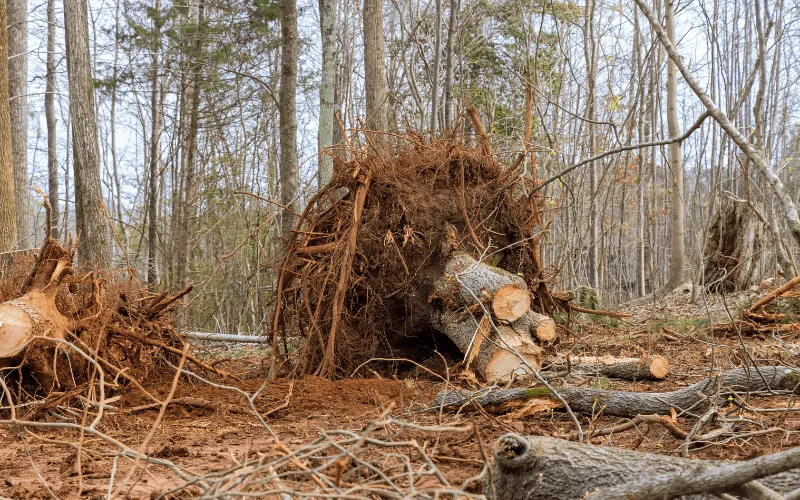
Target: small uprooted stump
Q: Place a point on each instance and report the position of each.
(59, 338)
(433, 247)
(28, 321)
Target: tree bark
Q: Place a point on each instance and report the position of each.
(678, 230)
(18, 94)
(450, 61)
(288, 115)
(590, 54)
(327, 14)
(437, 63)
(733, 247)
(375, 71)
(155, 149)
(629, 404)
(540, 467)
(50, 118)
(8, 220)
(93, 237)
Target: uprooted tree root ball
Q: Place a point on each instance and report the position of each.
(359, 278)
(60, 330)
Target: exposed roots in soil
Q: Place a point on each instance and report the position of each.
(357, 277)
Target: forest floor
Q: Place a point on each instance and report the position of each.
(221, 435)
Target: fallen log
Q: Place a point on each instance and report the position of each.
(655, 367)
(228, 337)
(591, 401)
(774, 294)
(540, 467)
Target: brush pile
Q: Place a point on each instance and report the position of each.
(432, 246)
(61, 331)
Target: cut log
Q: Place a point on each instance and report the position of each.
(466, 281)
(629, 404)
(228, 337)
(538, 467)
(484, 351)
(655, 367)
(34, 314)
(537, 325)
(511, 302)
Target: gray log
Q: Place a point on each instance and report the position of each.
(629, 404)
(226, 337)
(544, 468)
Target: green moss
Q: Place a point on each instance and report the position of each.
(537, 392)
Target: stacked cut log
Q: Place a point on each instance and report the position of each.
(470, 292)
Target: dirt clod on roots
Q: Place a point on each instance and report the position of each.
(357, 277)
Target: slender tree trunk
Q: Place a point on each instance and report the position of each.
(449, 79)
(93, 243)
(437, 62)
(327, 14)
(8, 220)
(375, 70)
(155, 149)
(678, 233)
(290, 182)
(191, 113)
(590, 53)
(18, 93)
(50, 117)
(114, 164)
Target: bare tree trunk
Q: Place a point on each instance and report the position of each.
(191, 106)
(113, 115)
(50, 117)
(678, 249)
(288, 115)
(590, 53)
(155, 150)
(437, 63)
(375, 70)
(18, 94)
(327, 14)
(8, 220)
(93, 243)
(641, 273)
(753, 154)
(449, 81)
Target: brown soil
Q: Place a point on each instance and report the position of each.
(204, 440)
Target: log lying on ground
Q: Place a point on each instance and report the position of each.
(655, 367)
(483, 351)
(228, 337)
(629, 404)
(467, 290)
(538, 467)
(34, 315)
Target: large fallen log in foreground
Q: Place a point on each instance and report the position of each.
(547, 468)
(629, 404)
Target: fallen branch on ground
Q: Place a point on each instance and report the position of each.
(655, 367)
(630, 404)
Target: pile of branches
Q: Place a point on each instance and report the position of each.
(59, 327)
(358, 274)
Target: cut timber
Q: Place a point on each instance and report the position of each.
(228, 337)
(538, 325)
(655, 367)
(34, 315)
(629, 404)
(539, 468)
(492, 361)
(511, 302)
(466, 281)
